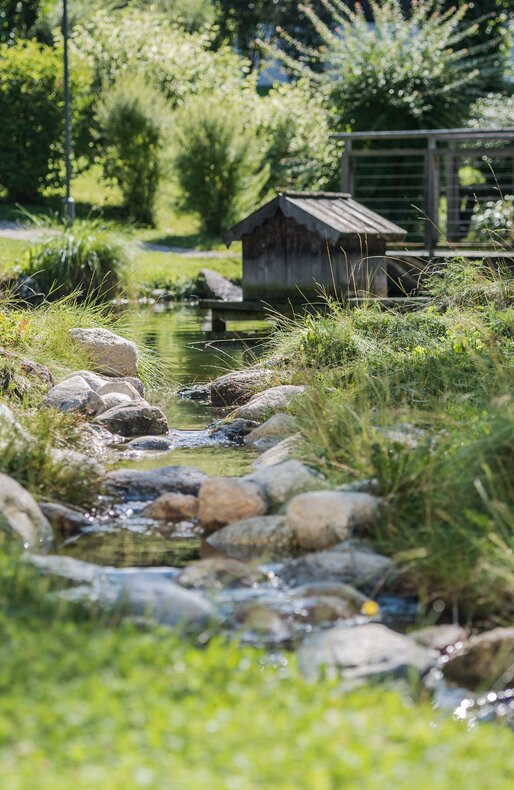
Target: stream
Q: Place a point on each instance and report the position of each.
(187, 354)
(122, 537)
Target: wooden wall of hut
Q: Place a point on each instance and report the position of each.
(283, 259)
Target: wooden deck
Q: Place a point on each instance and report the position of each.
(224, 312)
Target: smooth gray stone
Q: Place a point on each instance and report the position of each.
(136, 418)
(155, 443)
(149, 484)
(363, 652)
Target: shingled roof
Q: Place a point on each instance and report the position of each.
(332, 215)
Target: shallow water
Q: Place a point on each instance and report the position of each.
(187, 353)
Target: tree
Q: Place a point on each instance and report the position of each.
(243, 23)
(410, 70)
(17, 18)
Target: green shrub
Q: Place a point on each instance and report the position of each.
(494, 220)
(408, 70)
(133, 119)
(219, 163)
(83, 259)
(294, 122)
(146, 42)
(32, 109)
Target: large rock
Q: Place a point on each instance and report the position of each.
(135, 484)
(146, 593)
(162, 601)
(279, 425)
(331, 590)
(283, 481)
(34, 371)
(134, 419)
(74, 395)
(483, 661)
(119, 387)
(156, 444)
(262, 405)
(234, 431)
(260, 534)
(113, 355)
(351, 565)
(215, 286)
(172, 508)
(440, 637)
(97, 382)
(320, 519)
(370, 651)
(239, 386)
(320, 609)
(66, 520)
(279, 452)
(21, 517)
(114, 399)
(223, 500)
(219, 573)
(73, 462)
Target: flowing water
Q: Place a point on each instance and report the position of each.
(187, 353)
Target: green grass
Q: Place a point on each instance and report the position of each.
(176, 273)
(446, 372)
(151, 268)
(11, 250)
(91, 703)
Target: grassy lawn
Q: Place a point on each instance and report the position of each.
(10, 251)
(87, 706)
(153, 269)
(150, 268)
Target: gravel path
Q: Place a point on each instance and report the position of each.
(12, 230)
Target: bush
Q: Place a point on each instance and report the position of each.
(145, 42)
(83, 259)
(37, 466)
(494, 220)
(494, 111)
(295, 123)
(408, 70)
(32, 109)
(134, 123)
(219, 163)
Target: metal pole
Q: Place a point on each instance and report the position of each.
(69, 203)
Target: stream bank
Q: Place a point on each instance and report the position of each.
(268, 551)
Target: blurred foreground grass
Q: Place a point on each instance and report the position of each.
(87, 702)
(85, 706)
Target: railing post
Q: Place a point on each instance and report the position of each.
(432, 195)
(453, 232)
(347, 167)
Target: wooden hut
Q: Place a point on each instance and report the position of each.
(300, 242)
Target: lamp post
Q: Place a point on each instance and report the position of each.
(69, 203)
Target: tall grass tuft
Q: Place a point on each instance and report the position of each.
(422, 403)
(84, 259)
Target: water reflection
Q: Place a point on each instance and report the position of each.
(189, 353)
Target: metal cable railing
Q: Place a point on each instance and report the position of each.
(445, 187)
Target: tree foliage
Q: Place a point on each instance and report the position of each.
(147, 43)
(17, 18)
(134, 125)
(32, 113)
(407, 70)
(219, 163)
